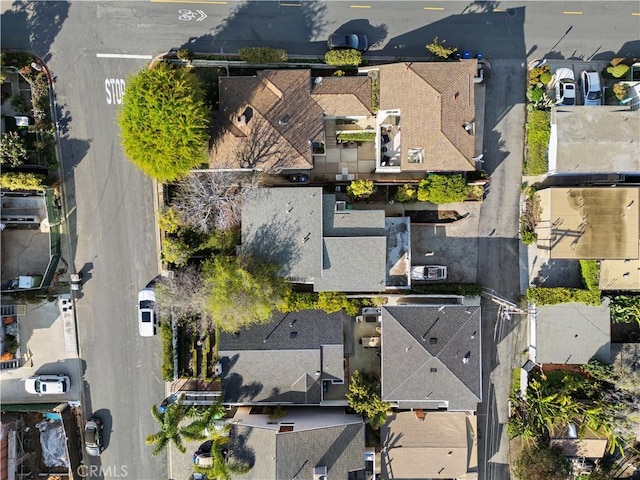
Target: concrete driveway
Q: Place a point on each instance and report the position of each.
(454, 245)
(50, 348)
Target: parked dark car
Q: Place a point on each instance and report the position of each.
(357, 41)
(298, 178)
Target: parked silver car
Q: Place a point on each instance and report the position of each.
(591, 87)
(565, 87)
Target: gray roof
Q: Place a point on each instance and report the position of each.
(437, 446)
(295, 454)
(279, 361)
(280, 225)
(299, 229)
(604, 139)
(431, 356)
(572, 333)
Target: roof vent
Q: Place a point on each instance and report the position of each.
(341, 206)
(242, 120)
(236, 334)
(466, 358)
(292, 322)
(433, 341)
(293, 334)
(318, 81)
(433, 369)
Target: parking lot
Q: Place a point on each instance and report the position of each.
(454, 245)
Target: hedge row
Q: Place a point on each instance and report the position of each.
(166, 337)
(330, 302)
(538, 133)
(356, 136)
(554, 296)
(259, 55)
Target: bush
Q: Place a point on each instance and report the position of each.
(13, 150)
(541, 463)
(360, 189)
(406, 193)
(185, 54)
(438, 49)
(620, 90)
(625, 309)
(166, 336)
(545, 77)
(590, 274)
(176, 251)
(338, 73)
(554, 296)
(169, 221)
(343, 58)
(618, 71)
(22, 181)
(356, 136)
(538, 132)
(330, 302)
(535, 94)
(466, 289)
(263, 55)
(439, 189)
(527, 236)
(536, 73)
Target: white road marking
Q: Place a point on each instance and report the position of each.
(123, 55)
(115, 89)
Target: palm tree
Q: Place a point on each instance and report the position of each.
(170, 429)
(222, 468)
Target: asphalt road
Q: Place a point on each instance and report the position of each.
(91, 47)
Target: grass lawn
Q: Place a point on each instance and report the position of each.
(538, 132)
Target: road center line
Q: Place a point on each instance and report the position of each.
(360, 6)
(123, 55)
(290, 4)
(572, 13)
(434, 8)
(636, 14)
(212, 2)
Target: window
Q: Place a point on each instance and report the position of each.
(415, 155)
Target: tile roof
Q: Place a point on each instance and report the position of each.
(435, 99)
(342, 96)
(266, 122)
(436, 447)
(279, 361)
(572, 333)
(431, 356)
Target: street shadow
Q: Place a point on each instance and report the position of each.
(263, 24)
(375, 33)
(33, 26)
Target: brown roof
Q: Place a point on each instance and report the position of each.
(340, 96)
(435, 100)
(592, 444)
(590, 223)
(266, 122)
(424, 444)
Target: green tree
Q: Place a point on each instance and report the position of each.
(364, 398)
(438, 48)
(332, 302)
(12, 149)
(618, 71)
(170, 429)
(241, 291)
(406, 193)
(360, 189)
(343, 58)
(164, 122)
(22, 181)
(541, 463)
(440, 189)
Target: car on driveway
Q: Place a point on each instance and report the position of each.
(48, 384)
(591, 87)
(429, 273)
(565, 87)
(357, 41)
(147, 312)
(93, 437)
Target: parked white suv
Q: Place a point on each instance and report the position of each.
(591, 88)
(47, 384)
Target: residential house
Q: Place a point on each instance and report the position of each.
(425, 445)
(305, 443)
(598, 140)
(588, 444)
(285, 120)
(569, 333)
(431, 357)
(317, 240)
(594, 223)
(285, 361)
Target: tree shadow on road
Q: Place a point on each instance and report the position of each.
(33, 26)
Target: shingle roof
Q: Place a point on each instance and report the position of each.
(572, 333)
(280, 225)
(435, 99)
(339, 96)
(436, 447)
(295, 454)
(284, 360)
(431, 355)
(266, 122)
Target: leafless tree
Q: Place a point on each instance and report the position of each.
(182, 296)
(264, 148)
(208, 201)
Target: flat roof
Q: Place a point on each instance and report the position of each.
(589, 223)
